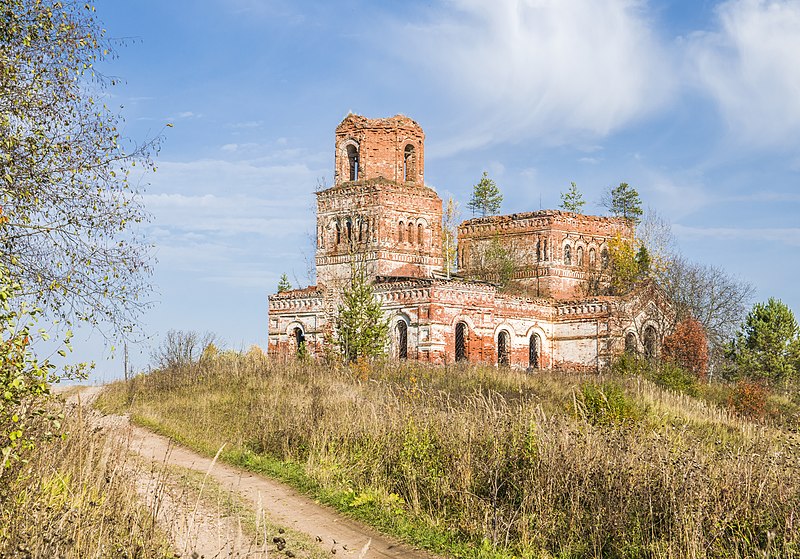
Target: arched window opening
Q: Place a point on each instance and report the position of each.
(567, 255)
(300, 340)
(409, 164)
(592, 257)
(366, 230)
(534, 349)
(410, 232)
(420, 234)
(338, 233)
(630, 343)
(352, 160)
(544, 249)
(604, 258)
(461, 342)
(401, 232)
(538, 250)
(579, 254)
(502, 348)
(650, 340)
(349, 227)
(401, 335)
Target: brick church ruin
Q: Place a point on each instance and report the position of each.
(380, 213)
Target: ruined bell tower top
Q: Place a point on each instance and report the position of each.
(390, 148)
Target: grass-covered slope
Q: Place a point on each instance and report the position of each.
(472, 461)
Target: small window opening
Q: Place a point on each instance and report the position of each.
(567, 255)
(604, 258)
(401, 232)
(349, 226)
(461, 342)
(338, 233)
(592, 257)
(579, 254)
(352, 161)
(410, 232)
(420, 234)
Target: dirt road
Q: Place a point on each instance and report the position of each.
(333, 533)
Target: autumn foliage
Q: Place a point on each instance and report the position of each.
(687, 347)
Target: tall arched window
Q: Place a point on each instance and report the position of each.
(409, 164)
(502, 348)
(401, 335)
(650, 340)
(592, 257)
(630, 343)
(579, 255)
(461, 341)
(410, 232)
(604, 258)
(338, 233)
(420, 234)
(401, 232)
(349, 228)
(352, 162)
(538, 250)
(534, 349)
(544, 249)
(567, 255)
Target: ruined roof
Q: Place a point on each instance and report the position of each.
(359, 121)
(554, 215)
(296, 293)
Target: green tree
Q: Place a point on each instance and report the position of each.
(71, 237)
(284, 284)
(572, 200)
(362, 331)
(486, 197)
(450, 235)
(623, 201)
(766, 346)
(643, 260)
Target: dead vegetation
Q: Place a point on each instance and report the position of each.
(485, 463)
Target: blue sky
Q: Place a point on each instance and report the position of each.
(694, 103)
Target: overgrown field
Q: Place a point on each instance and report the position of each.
(479, 462)
(74, 496)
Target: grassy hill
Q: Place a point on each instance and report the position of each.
(477, 462)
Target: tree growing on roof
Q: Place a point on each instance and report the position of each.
(486, 197)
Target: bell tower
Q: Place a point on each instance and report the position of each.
(378, 213)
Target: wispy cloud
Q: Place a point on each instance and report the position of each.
(547, 70)
(749, 67)
(785, 235)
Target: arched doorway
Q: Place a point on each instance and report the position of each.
(503, 348)
(534, 350)
(461, 341)
(401, 335)
(300, 340)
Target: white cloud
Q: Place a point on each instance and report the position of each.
(552, 70)
(749, 67)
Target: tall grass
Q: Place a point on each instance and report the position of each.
(74, 497)
(543, 465)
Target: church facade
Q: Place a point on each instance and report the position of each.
(380, 216)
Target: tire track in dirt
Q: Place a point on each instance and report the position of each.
(336, 534)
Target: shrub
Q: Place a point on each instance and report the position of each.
(607, 404)
(749, 399)
(687, 347)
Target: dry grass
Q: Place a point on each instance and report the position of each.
(545, 465)
(76, 497)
